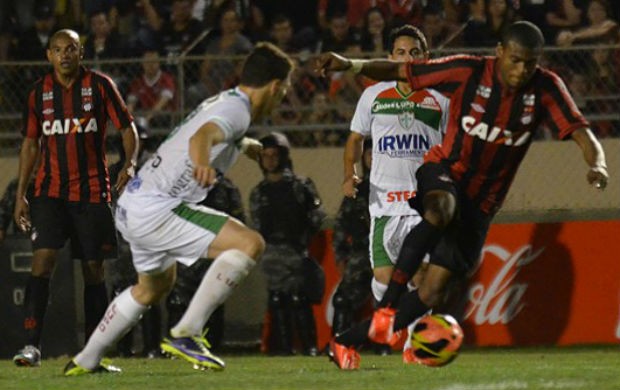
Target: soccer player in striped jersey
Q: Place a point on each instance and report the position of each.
(404, 123)
(497, 104)
(65, 128)
(159, 216)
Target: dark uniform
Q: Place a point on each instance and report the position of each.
(72, 186)
(351, 233)
(287, 213)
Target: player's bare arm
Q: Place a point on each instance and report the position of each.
(130, 146)
(352, 156)
(594, 155)
(200, 145)
(375, 69)
(27, 157)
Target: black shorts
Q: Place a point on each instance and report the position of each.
(461, 245)
(90, 226)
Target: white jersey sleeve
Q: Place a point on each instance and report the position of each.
(168, 174)
(362, 119)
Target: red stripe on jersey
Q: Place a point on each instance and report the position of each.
(70, 145)
(93, 177)
(563, 112)
(32, 128)
(115, 106)
(54, 177)
(390, 93)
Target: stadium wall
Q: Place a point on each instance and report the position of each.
(550, 183)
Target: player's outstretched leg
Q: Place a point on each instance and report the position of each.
(122, 314)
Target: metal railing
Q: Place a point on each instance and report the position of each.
(317, 111)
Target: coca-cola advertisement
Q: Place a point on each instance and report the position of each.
(546, 284)
(536, 284)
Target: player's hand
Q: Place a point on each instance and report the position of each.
(349, 186)
(127, 172)
(205, 175)
(22, 214)
(597, 176)
(330, 62)
(251, 148)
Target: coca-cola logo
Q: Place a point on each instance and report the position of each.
(501, 300)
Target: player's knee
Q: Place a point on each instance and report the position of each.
(43, 262)
(93, 272)
(439, 208)
(152, 293)
(431, 295)
(252, 244)
(383, 274)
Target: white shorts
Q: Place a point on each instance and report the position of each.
(158, 239)
(387, 234)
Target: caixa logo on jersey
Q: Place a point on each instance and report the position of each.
(404, 145)
(69, 126)
(493, 134)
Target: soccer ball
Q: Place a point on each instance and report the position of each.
(436, 339)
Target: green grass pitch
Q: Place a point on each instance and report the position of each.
(475, 369)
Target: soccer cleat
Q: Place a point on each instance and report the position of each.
(346, 358)
(409, 357)
(193, 349)
(382, 327)
(104, 367)
(29, 356)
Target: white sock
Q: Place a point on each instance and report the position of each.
(227, 270)
(122, 314)
(378, 289)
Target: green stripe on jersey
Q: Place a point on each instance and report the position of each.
(210, 222)
(387, 106)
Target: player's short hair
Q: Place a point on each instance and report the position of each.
(407, 30)
(525, 34)
(264, 64)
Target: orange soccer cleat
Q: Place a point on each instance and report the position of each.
(382, 327)
(346, 358)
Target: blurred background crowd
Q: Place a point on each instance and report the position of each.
(168, 55)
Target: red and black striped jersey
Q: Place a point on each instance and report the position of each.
(491, 126)
(71, 126)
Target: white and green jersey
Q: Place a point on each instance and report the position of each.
(403, 128)
(168, 174)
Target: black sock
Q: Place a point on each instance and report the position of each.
(418, 242)
(409, 309)
(355, 335)
(37, 296)
(95, 305)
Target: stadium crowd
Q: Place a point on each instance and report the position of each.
(224, 30)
